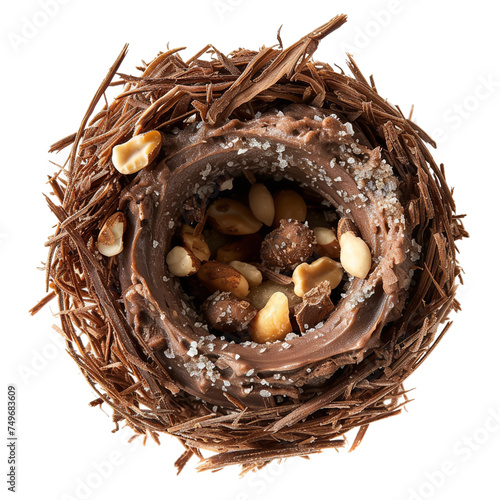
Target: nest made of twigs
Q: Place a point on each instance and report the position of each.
(169, 93)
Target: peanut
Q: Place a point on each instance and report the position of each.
(196, 244)
(182, 262)
(273, 321)
(217, 276)
(260, 295)
(137, 153)
(110, 239)
(308, 276)
(261, 203)
(355, 255)
(289, 205)
(232, 217)
(327, 241)
(251, 273)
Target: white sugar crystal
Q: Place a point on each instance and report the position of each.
(169, 354)
(192, 351)
(265, 393)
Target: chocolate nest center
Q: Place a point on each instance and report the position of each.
(316, 151)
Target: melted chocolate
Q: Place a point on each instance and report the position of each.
(317, 151)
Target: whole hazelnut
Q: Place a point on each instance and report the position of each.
(287, 246)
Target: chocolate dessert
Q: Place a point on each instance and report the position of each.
(253, 252)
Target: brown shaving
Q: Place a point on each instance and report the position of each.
(122, 368)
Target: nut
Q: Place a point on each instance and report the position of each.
(273, 321)
(315, 306)
(345, 225)
(260, 295)
(110, 239)
(182, 262)
(137, 153)
(309, 276)
(196, 244)
(227, 313)
(244, 249)
(327, 242)
(232, 217)
(289, 205)
(287, 246)
(251, 273)
(355, 255)
(217, 276)
(261, 203)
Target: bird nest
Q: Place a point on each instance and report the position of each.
(121, 367)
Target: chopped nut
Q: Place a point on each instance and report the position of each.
(110, 239)
(327, 242)
(261, 203)
(217, 276)
(308, 276)
(288, 245)
(355, 255)
(251, 273)
(228, 313)
(289, 205)
(232, 217)
(260, 295)
(244, 249)
(315, 307)
(182, 262)
(273, 321)
(196, 244)
(137, 153)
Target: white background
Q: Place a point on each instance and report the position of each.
(440, 56)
